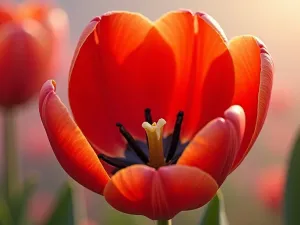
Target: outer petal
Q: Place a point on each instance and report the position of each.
(159, 194)
(124, 66)
(69, 145)
(33, 10)
(214, 148)
(254, 79)
(5, 14)
(205, 71)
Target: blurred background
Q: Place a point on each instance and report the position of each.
(253, 192)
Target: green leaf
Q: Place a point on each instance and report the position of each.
(18, 204)
(215, 212)
(5, 215)
(292, 188)
(116, 217)
(63, 211)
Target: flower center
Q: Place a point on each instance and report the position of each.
(156, 152)
(155, 142)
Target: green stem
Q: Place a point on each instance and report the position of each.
(11, 167)
(164, 222)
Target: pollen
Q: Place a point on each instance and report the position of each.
(154, 133)
(155, 127)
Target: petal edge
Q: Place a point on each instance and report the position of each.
(159, 194)
(70, 147)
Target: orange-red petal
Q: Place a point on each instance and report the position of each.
(5, 14)
(204, 69)
(214, 148)
(253, 85)
(178, 56)
(71, 148)
(159, 194)
(124, 66)
(22, 65)
(177, 29)
(210, 74)
(33, 10)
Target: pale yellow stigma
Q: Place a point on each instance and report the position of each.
(155, 142)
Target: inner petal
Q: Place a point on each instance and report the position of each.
(124, 66)
(204, 69)
(5, 14)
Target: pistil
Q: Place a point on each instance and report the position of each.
(155, 142)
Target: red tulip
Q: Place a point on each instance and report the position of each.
(181, 64)
(29, 36)
(270, 187)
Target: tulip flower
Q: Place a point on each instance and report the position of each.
(171, 105)
(29, 35)
(270, 187)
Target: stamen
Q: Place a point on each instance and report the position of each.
(173, 160)
(175, 136)
(155, 141)
(112, 161)
(132, 143)
(148, 117)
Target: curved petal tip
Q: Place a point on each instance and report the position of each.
(159, 194)
(215, 147)
(48, 87)
(69, 145)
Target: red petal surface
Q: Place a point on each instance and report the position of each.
(159, 194)
(24, 54)
(214, 148)
(5, 14)
(122, 66)
(179, 62)
(211, 77)
(254, 78)
(71, 148)
(204, 69)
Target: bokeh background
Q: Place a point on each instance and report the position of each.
(253, 192)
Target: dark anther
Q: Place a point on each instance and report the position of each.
(148, 117)
(174, 160)
(132, 143)
(113, 161)
(175, 136)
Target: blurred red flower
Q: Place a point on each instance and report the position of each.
(125, 65)
(30, 36)
(282, 114)
(270, 187)
(39, 206)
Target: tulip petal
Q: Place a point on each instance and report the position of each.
(27, 60)
(5, 15)
(254, 78)
(212, 90)
(71, 148)
(33, 10)
(159, 194)
(124, 66)
(214, 148)
(177, 29)
(204, 72)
